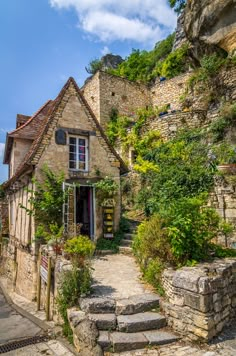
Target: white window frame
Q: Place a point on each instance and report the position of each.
(76, 137)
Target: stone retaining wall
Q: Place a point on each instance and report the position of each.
(201, 300)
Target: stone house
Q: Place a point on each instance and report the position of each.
(65, 135)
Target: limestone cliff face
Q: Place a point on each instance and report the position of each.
(211, 22)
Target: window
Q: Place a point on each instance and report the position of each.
(78, 159)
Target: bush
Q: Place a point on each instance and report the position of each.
(152, 241)
(79, 248)
(174, 64)
(74, 283)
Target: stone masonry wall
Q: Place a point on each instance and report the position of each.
(169, 124)
(169, 91)
(105, 92)
(201, 300)
(223, 199)
(91, 92)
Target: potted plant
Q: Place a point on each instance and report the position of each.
(226, 158)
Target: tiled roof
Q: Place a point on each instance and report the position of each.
(28, 130)
(42, 127)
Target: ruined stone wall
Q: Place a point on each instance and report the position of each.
(122, 94)
(201, 300)
(91, 92)
(105, 92)
(169, 91)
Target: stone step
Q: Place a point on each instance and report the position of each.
(140, 322)
(137, 304)
(159, 337)
(119, 341)
(125, 250)
(125, 242)
(104, 321)
(97, 305)
(128, 236)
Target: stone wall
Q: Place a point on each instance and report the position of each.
(169, 91)
(201, 300)
(223, 199)
(26, 275)
(19, 150)
(105, 92)
(170, 123)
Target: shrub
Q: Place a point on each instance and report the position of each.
(79, 248)
(174, 64)
(74, 283)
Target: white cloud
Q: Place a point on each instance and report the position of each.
(144, 21)
(105, 50)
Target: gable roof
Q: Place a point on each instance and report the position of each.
(33, 155)
(26, 131)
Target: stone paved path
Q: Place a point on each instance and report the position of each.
(117, 276)
(52, 347)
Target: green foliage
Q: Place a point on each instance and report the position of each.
(113, 244)
(177, 5)
(182, 169)
(209, 67)
(141, 65)
(74, 283)
(106, 188)
(117, 126)
(226, 121)
(52, 234)
(47, 199)
(94, 66)
(224, 153)
(174, 64)
(79, 248)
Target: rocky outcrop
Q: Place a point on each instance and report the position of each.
(210, 23)
(111, 61)
(180, 36)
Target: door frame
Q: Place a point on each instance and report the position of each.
(92, 207)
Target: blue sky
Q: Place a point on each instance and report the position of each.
(43, 42)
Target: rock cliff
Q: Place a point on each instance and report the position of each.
(210, 23)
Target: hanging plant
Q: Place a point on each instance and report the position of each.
(106, 188)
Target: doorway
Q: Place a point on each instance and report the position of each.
(84, 210)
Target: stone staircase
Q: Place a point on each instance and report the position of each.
(127, 324)
(126, 242)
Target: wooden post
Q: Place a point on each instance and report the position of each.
(48, 290)
(39, 281)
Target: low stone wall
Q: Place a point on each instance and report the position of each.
(169, 124)
(201, 300)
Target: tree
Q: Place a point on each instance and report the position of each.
(94, 66)
(177, 5)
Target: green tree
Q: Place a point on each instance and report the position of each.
(94, 66)
(177, 5)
